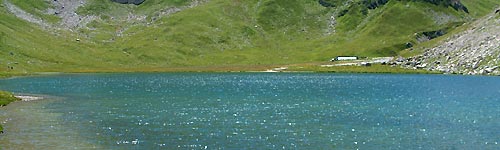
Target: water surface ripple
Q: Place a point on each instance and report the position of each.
(254, 111)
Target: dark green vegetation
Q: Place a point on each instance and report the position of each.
(136, 2)
(6, 98)
(224, 34)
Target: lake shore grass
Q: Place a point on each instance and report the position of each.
(303, 67)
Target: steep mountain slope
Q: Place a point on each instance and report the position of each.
(162, 34)
(473, 51)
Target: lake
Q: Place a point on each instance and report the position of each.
(253, 111)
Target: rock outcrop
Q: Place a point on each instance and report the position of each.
(135, 2)
(373, 4)
(472, 52)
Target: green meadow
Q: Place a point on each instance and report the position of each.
(221, 34)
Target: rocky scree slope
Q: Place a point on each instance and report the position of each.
(475, 51)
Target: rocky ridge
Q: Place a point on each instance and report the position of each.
(475, 51)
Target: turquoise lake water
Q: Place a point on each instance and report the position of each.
(253, 111)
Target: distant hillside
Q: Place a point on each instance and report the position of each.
(67, 35)
(372, 4)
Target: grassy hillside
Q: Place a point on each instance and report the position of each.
(25, 47)
(221, 33)
(37, 8)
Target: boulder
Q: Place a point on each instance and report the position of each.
(496, 72)
(422, 66)
(135, 2)
(476, 65)
(366, 64)
(491, 69)
(482, 72)
(411, 63)
(400, 59)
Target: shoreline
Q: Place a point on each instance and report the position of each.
(21, 97)
(27, 98)
(340, 71)
(308, 67)
(314, 67)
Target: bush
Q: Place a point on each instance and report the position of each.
(6, 98)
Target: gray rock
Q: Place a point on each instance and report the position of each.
(482, 72)
(491, 69)
(401, 59)
(421, 66)
(366, 64)
(135, 2)
(476, 65)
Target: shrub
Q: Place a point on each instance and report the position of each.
(6, 98)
